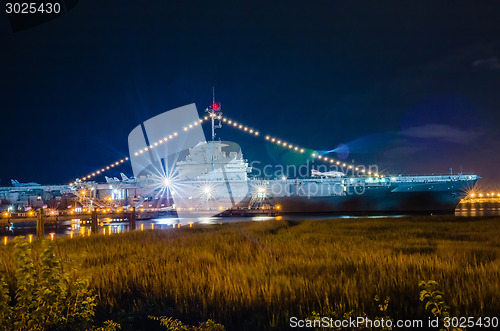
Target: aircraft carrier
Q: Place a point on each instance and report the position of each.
(183, 173)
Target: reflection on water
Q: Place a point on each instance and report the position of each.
(478, 209)
(76, 227)
(108, 226)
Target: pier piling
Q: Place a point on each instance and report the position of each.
(132, 219)
(94, 222)
(40, 226)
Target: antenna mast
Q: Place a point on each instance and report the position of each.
(214, 111)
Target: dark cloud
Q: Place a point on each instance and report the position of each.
(443, 132)
(488, 63)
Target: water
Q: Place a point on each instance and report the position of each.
(108, 226)
(478, 209)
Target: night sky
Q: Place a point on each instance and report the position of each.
(413, 87)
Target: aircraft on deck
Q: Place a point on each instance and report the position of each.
(125, 179)
(111, 179)
(16, 183)
(328, 174)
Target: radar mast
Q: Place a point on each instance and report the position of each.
(215, 113)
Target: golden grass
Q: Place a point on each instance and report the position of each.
(255, 275)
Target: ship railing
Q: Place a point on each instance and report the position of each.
(431, 174)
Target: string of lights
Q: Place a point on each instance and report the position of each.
(140, 151)
(296, 148)
(100, 171)
(232, 123)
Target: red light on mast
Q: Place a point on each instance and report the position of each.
(215, 106)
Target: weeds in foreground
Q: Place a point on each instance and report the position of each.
(46, 297)
(172, 324)
(339, 314)
(434, 300)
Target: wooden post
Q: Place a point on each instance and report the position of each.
(94, 222)
(132, 219)
(40, 226)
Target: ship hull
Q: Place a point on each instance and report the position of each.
(380, 202)
(430, 197)
(410, 198)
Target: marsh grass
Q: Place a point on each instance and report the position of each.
(255, 275)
